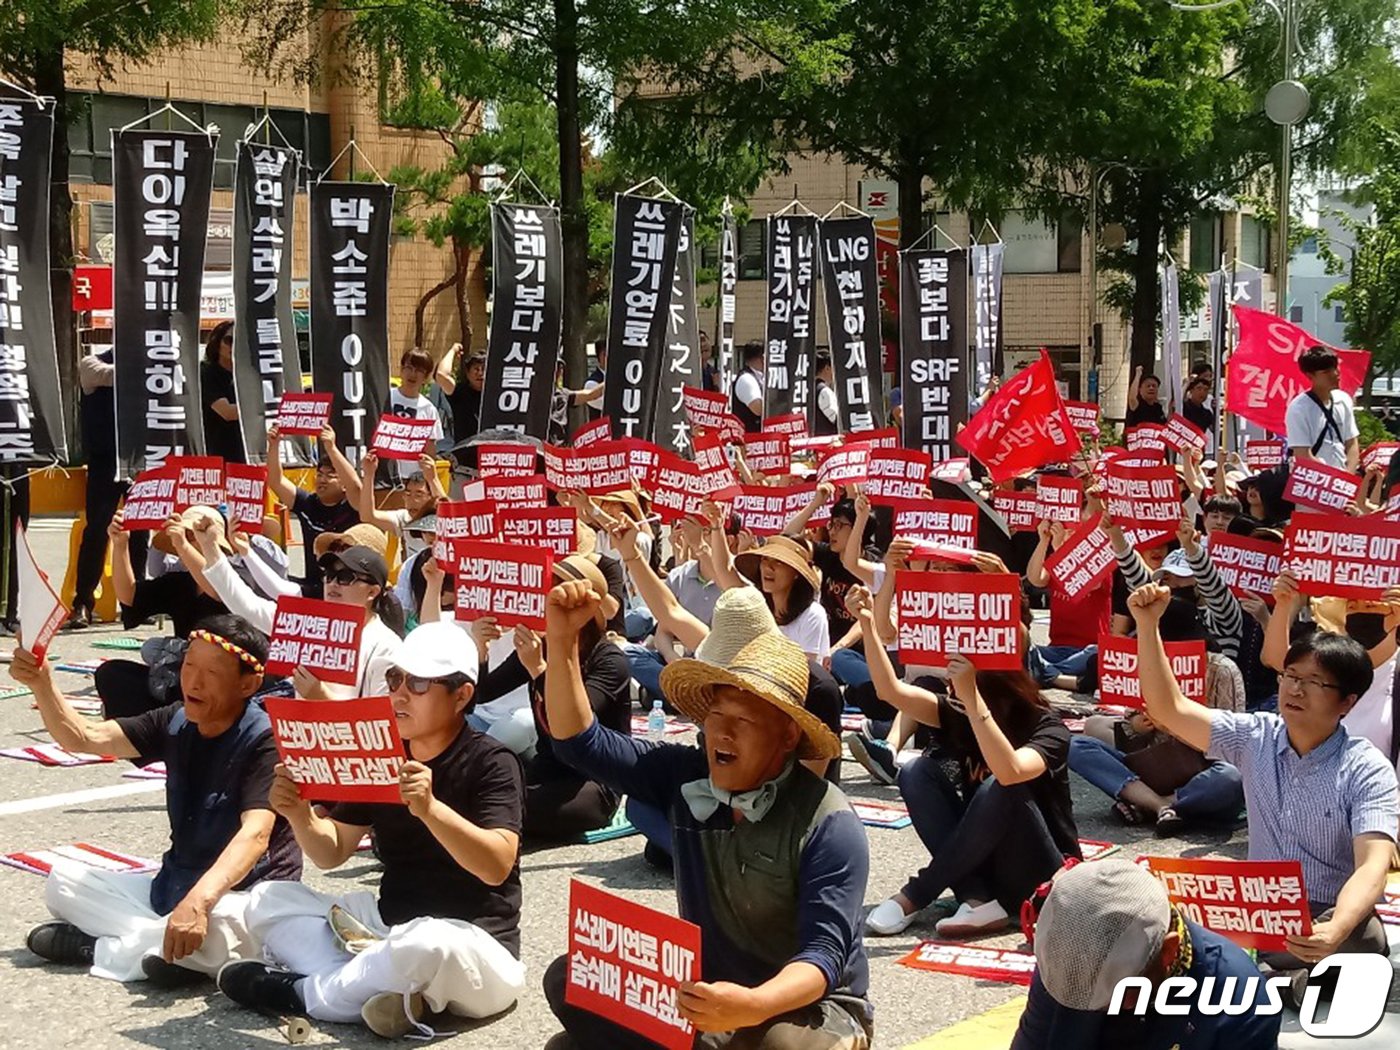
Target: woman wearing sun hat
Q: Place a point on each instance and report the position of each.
(783, 570)
(770, 860)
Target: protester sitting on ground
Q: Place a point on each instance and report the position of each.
(223, 436)
(1075, 623)
(1144, 405)
(844, 560)
(445, 931)
(1152, 776)
(1314, 793)
(1109, 921)
(770, 860)
(331, 508)
(1217, 513)
(169, 593)
(461, 377)
(421, 493)
(990, 801)
(182, 923)
(1321, 421)
(782, 569)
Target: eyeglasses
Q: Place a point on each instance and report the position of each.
(345, 577)
(1313, 685)
(838, 523)
(416, 683)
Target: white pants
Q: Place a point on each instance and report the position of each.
(115, 907)
(457, 966)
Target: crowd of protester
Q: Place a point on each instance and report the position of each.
(526, 737)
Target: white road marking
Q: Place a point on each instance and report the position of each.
(73, 798)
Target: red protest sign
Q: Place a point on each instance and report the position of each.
(678, 492)
(712, 465)
(41, 612)
(339, 750)
(794, 424)
(1377, 457)
(505, 460)
(1083, 561)
(398, 437)
(199, 481)
(1059, 499)
(897, 475)
(1256, 903)
(150, 499)
(642, 460)
(1392, 507)
(1246, 565)
(627, 963)
(1320, 486)
(601, 467)
(709, 410)
(592, 433)
(553, 528)
(245, 493)
(1146, 501)
(954, 471)
(466, 520)
(1181, 434)
(846, 465)
(303, 413)
(503, 580)
(1146, 439)
(323, 637)
(516, 493)
(1263, 376)
(1020, 509)
(1023, 425)
(985, 964)
(798, 496)
(937, 523)
(1083, 416)
(885, 437)
(1119, 685)
(1335, 555)
(763, 510)
(1262, 455)
(768, 453)
(975, 614)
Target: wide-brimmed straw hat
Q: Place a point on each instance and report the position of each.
(794, 553)
(361, 535)
(586, 567)
(189, 518)
(625, 498)
(771, 668)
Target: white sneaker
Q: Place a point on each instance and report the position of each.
(968, 921)
(888, 918)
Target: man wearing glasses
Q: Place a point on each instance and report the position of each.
(446, 928)
(1314, 793)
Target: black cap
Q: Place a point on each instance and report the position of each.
(362, 560)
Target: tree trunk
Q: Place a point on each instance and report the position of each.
(573, 219)
(911, 205)
(1147, 298)
(422, 308)
(463, 254)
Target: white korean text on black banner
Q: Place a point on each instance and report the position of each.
(933, 348)
(851, 287)
(682, 365)
(728, 294)
(987, 262)
(789, 385)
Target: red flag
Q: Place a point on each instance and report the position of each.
(1023, 425)
(1263, 376)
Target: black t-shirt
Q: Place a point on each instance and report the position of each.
(824, 700)
(836, 581)
(222, 437)
(480, 779)
(316, 518)
(173, 594)
(1199, 415)
(1145, 413)
(466, 411)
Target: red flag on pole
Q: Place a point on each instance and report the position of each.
(1023, 425)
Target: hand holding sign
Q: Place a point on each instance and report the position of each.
(416, 788)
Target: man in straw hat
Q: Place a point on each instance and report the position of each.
(771, 863)
(1110, 920)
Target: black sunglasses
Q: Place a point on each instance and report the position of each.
(345, 577)
(417, 684)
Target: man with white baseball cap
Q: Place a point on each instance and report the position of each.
(1108, 920)
(445, 930)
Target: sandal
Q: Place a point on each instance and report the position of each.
(1129, 814)
(1169, 821)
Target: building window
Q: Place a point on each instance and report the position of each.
(1295, 314)
(1339, 314)
(1254, 244)
(753, 244)
(1205, 253)
(1038, 246)
(1308, 247)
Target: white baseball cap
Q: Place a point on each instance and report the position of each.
(436, 650)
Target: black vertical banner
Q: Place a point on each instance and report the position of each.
(527, 309)
(933, 348)
(646, 239)
(161, 184)
(350, 227)
(851, 288)
(789, 384)
(682, 365)
(265, 358)
(728, 289)
(31, 412)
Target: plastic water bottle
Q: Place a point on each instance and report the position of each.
(656, 722)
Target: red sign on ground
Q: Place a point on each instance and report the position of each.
(985, 964)
(1083, 561)
(1321, 487)
(1119, 684)
(398, 437)
(1255, 903)
(150, 499)
(553, 528)
(303, 413)
(1335, 555)
(1020, 509)
(323, 637)
(627, 963)
(1245, 564)
(245, 492)
(339, 750)
(975, 614)
(505, 460)
(1060, 498)
(894, 476)
(199, 481)
(937, 522)
(503, 580)
(768, 453)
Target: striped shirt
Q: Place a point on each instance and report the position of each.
(1221, 614)
(1308, 807)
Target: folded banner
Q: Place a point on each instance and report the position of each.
(768, 453)
(937, 523)
(351, 223)
(41, 611)
(503, 580)
(322, 637)
(550, 528)
(398, 437)
(199, 481)
(31, 411)
(150, 499)
(726, 366)
(681, 366)
(1318, 486)
(1020, 509)
(527, 316)
(1060, 499)
(851, 288)
(987, 263)
(1119, 683)
(646, 240)
(933, 348)
(303, 413)
(161, 184)
(499, 459)
(977, 615)
(895, 475)
(1263, 376)
(1255, 903)
(789, 384)
(339, 750)
(265, 181)
(1083, 561)
(1022, 426)
(709, 410)
(1246, 565)
(1335, 555)
(245, 494)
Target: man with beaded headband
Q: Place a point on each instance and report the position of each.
(181, 924)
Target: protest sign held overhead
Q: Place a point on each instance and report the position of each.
(466, 520)
(761, 508)
(709, 410)
(1020, 509)
(1118, 670)
(1059, 499)
(712, 465)
(1255, 903)
(1315, 485)
(1180, 434)
(1084, 416)
(592, 433)
(495, 459)
(1022, 426)
(245, 494)
(599, 468)
(790, 327)
(954, 471)
(1377, 457)
(339, 750)
(1246, 565)
(846, 465)
(322, 637)
(303, 413)
(977, 615)
(550, 528)
(1083, 561)
(398, 437)
(851, 290)
(1340, 556)
(893, 476)
(503, 580)
(1144, 501)
(1262, 455)
(937, 523)
(768, 453)
(199, 481)
(679, 490)
(513, 493)
(150, 500)
(1147, 439)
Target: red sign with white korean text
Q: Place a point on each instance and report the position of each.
(1262, 455)
(628, 962)
(794, 424)
(1083, 416)
(600, 468)
(972, 613)
(92, 288)
(1146, 439)
(503, 580)
(1246, 565)
(1262, 377)
(339, 750)
(1335, 555)
(1119, 685)
(709, 410)
(953, 471)
(768, 453)
(1392, 507)
(763, 510)
(846, 465)
(505, 460)
(554, 528)
(712, 465)
(1321, 487)
(1377, 457)
(884, 437)
(398, 437)
(986, 964)
(1144, 501)
(1083, 561)
(679, 490)
(199, 481)
(643, 458)
(937, 523)
(1023, 425)
(245, 493)
(592, 433)
(1020, 509)
(323, 637)
(1060, 499)
(1180, 434)
(798, 496)
(896, 475)
(150, 499)
(1255, 903)
(303, 413)
(511, 494)
(467, 520)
